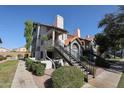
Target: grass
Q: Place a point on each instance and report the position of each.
(121, 82)
(7, 72)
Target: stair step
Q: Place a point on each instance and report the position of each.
(76, 64)
(83, 69)
(73, 61)
(80, 67)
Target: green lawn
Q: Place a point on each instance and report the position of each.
(121, 82)
(7, 72)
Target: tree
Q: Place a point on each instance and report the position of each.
(1, 41)
(112, 29)
(27, 34)
(120, 20)
(103, 42)
(47, 46)
(121, 46)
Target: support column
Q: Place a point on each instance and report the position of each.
(37, 53)
(53, 38)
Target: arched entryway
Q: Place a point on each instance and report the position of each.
(75, 50)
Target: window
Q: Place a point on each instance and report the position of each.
(33, 55)
(41, 54)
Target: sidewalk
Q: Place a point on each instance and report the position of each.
(23, 78)
(107, 79)
(45, 80)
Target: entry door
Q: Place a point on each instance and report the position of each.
(75, 50)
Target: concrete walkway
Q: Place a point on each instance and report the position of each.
(45, 80)
(107, 79)
(23, 78)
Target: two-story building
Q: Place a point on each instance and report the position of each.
(55, 42)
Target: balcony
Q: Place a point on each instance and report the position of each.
(48, 44)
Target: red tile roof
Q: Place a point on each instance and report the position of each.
(71, 38)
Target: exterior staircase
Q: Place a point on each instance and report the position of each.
(85, 65)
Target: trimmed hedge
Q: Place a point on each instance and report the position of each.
(29, 64)
(8, 56)
(40, 69)
(2, 58)
(67, 77)
(36, 68)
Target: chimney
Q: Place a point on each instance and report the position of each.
(77, 32)
(59, 22)
(88, 36)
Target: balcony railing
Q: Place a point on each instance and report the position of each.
(48, 44)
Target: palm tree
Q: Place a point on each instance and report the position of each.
(109, 26)
(120, 15)
(103, 43)
(120, 20)
(113, 29)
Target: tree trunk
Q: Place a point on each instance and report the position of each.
(44, 55)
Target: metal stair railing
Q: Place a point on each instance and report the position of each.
(63, 52)
(87, 65)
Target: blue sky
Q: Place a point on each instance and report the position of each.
(12, 20)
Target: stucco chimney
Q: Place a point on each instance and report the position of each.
(59, 22)
(77, 32)
(88, 36)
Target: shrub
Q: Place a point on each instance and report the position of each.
(26, 61)
(29, 64)
(8, 56)
(2, 58)
(67, 77)
(26, 56)
(33, 67)
(36, 68)
(39, 69)
(101, 63)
